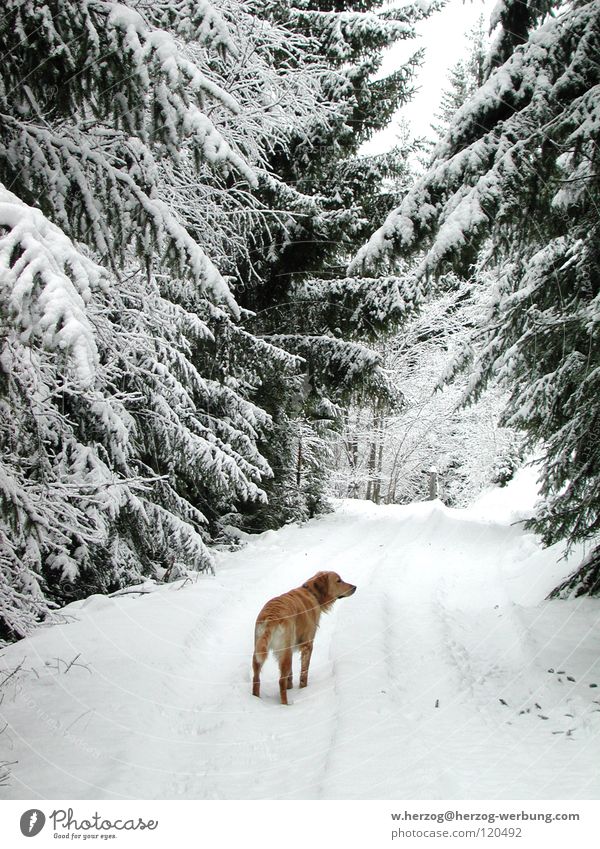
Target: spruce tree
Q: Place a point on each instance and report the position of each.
(295, 281)
(127, 432)
(515, 186)
(464, 78)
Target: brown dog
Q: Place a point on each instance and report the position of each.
(289, 622)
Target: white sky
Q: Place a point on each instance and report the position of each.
(443, 36)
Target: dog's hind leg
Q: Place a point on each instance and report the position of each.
(258, 660)
(262, 639)
(285, 673)
(305, 653)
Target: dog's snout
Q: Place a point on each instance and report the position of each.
(351, 591)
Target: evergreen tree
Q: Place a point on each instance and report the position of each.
(515, 185)
(126, 429)
(464, 78)
(295, 282)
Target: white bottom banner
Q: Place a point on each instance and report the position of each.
(301, 824)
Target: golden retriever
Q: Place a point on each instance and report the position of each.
(289, 622)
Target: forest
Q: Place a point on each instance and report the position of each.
(219, 313)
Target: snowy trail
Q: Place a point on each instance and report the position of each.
(431, 682)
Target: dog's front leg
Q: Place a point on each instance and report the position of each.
(305, 653)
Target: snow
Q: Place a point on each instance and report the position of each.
(446, 676)
(494, 505)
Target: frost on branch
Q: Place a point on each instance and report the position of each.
(45, 283)
(58, 495)
(86, 129)
(192, 20)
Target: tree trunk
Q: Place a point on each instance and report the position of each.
(371, 469)
(299, 463)
(352, 454)
(434, 486)
(378, 475)
(375, 457)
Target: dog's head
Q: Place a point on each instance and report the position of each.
(327, 587)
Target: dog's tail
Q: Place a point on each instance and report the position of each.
(262, 640)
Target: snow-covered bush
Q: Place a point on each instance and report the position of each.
(387, 455)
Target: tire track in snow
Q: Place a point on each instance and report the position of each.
(368, 678)
(435, 688)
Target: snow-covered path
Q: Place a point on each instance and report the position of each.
(432, 681)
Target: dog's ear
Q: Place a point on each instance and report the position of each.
(319, 586)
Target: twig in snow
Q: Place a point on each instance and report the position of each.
(77, 719)
(130, 592)
(5, 772)
(66, 618)
(10, 675)
(73, 662)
